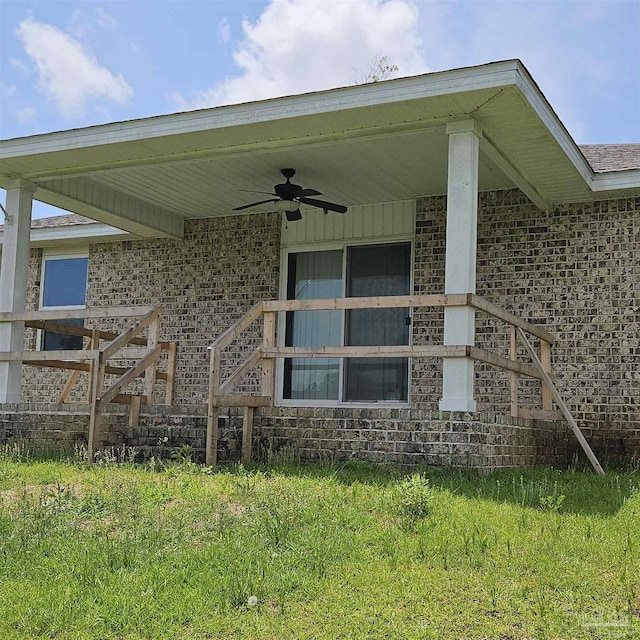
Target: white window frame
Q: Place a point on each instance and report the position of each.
(58, 254)
(334, 245)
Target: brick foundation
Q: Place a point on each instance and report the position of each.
(388, 436)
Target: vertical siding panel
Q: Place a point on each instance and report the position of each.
(358, 224)
(337, 224)
(347, 227)
(377, 212)
(389, 223)
(361, 222)
(320, 224)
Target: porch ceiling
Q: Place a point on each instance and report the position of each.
(357, 145)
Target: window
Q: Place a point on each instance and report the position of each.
(64, 285)
(353, 271)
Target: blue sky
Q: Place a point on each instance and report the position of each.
(71, 64)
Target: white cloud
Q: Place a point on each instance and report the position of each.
(7, 90)
(224, 30)
(19, 64)
(27, 114)
(83, 23)
(306, 45)
(67, 73)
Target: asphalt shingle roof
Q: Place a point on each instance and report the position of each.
(68, 220)
(612, 157)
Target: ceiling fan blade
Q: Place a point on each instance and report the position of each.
(292, 216)
(323, 204)
(266, 193)
(255, 204)
(303, 193)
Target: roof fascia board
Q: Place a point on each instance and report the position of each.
(112, 208)
(488, 76)
(627, 179)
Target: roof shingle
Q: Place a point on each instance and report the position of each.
(612, 157)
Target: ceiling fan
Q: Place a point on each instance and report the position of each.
(288, 198)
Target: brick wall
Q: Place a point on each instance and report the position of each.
(573, 270)
(389, 436)
(204, 282)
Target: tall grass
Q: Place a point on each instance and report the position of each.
(171, 550)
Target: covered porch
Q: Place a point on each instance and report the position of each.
(458, 133)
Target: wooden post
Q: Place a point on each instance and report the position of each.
(513, 355)
(150, 373)
(247, 429)
(211, 453)
(171, 373)
(268, 368)
(134, 411)
(545, 360)
(94, 343)
(96, 410)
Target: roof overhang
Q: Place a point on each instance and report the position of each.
(357, 145)
(77, 234)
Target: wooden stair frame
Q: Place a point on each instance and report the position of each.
(128, 345)
(268, 352)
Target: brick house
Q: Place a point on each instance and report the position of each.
(472, 218)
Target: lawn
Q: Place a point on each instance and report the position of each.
(175, 551)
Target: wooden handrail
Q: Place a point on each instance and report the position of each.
(560, 402)
(268, 352)
(127, 377)
(237, 327)
(69, 314)
(123, 339)
(510, 318)
(378, 302)
(72, 330)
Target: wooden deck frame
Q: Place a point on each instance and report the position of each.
(145, 351)
(267, 353)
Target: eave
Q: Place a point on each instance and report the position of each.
(370, 143)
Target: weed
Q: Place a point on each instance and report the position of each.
(552, 502)
(182, 455)
(413, 498)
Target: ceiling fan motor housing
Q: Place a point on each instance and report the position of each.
(286, 189)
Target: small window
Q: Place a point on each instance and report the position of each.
(64, 285)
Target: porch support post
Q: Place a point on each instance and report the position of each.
(460, 265)
(13, 282)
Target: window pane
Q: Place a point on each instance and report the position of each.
(53, 341)
(378, 270)
(314, 274)
(65, 282)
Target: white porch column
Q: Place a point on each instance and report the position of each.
(460, 265)
(13, 282)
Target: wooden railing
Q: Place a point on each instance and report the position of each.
(267, 352)
(128, 345)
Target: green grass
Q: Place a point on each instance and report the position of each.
(351, 551)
